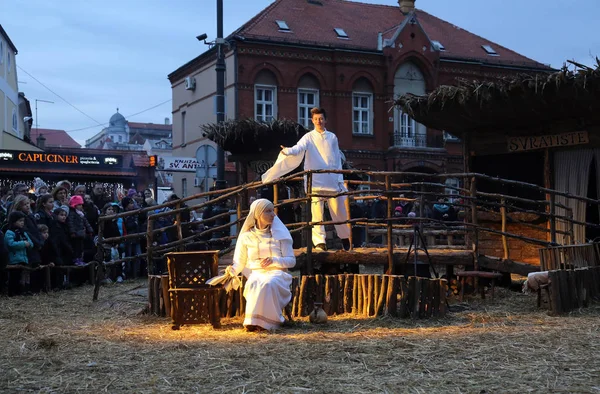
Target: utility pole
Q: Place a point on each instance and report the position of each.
(36, 114)
(220, 68)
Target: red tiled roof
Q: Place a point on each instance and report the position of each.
(54, 138)
(155, 126)
(314, 24)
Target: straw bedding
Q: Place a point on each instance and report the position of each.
(62, 342)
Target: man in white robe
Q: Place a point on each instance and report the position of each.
(321, 151)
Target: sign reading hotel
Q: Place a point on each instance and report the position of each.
(177, 164)
(520, 144)
(17, 157)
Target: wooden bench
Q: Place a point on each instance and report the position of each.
(477, 274)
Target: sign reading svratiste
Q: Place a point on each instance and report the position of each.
(171, 164)
(519, 144)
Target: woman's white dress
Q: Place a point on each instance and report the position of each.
(267, 290)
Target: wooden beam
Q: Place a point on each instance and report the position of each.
(509, 266)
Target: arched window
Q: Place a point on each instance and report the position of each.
(308, 98)
(362, 107)
(265, 96)
(407, 132)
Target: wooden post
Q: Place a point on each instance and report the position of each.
(276, 197)
(99, 254)
(308, 269)
(474, 221)
(239, 213)
(504, 240)
(347, 207)
(390, 210)
(150, 246)
(552, 218)
(181, 247)
(164, 282)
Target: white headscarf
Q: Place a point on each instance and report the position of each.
(278, 230)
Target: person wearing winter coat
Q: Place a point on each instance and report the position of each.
(61, 238)
(61, 198)
(17, 243)
(79, 228)
(23, 205)
(44, 208)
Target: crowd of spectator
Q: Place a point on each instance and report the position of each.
(43, 226)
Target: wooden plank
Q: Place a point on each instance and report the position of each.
(508, 266)
(348, 293)
(382, 295)
(563, 288)
(402, 289)
(443, 285)
(555, 301)
(391, 296)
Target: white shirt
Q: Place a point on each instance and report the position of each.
(321, 152)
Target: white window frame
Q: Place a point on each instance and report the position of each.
(307, 121)
(15, 121)
(8, 61)
(362, 187)
(184, 191)
(362, 111)
(183, 116)
(262, 117)
(453, 182)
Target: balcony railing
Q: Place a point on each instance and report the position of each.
(419, 140)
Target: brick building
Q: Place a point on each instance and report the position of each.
(351, 58)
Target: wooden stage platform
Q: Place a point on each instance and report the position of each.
(375, 256)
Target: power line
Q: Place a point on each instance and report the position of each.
(57, 95)
(129, 116)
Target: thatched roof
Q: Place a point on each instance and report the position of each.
(510, 104)
(243, 137)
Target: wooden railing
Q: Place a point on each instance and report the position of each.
(416, 188)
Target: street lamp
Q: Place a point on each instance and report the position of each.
(36, 112)
(220, 94)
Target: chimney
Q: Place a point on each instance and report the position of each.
(167, 121)
(41, 141)
(406, 6)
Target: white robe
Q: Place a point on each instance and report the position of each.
(267, 290)
(320, 151)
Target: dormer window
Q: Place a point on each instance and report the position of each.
(438, 45)
(489, 50)
(341, 33)
(283, 26)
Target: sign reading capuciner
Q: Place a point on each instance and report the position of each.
(519, 144)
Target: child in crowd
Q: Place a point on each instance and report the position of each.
(111, 230)
(131, 225)
(79, 228)
(48, 251)
(61, 239)
(17, 242)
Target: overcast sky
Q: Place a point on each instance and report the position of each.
(100, 55)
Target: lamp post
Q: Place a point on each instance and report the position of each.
(220, 93)
(36, 112)
(220, 69)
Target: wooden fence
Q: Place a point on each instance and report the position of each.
(361, 295)
(422, 191)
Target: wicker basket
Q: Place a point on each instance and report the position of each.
(192, 300)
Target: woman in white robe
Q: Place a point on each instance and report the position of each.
(263, 253)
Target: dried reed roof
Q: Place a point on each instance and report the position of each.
(525, 101)
(248, 136)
